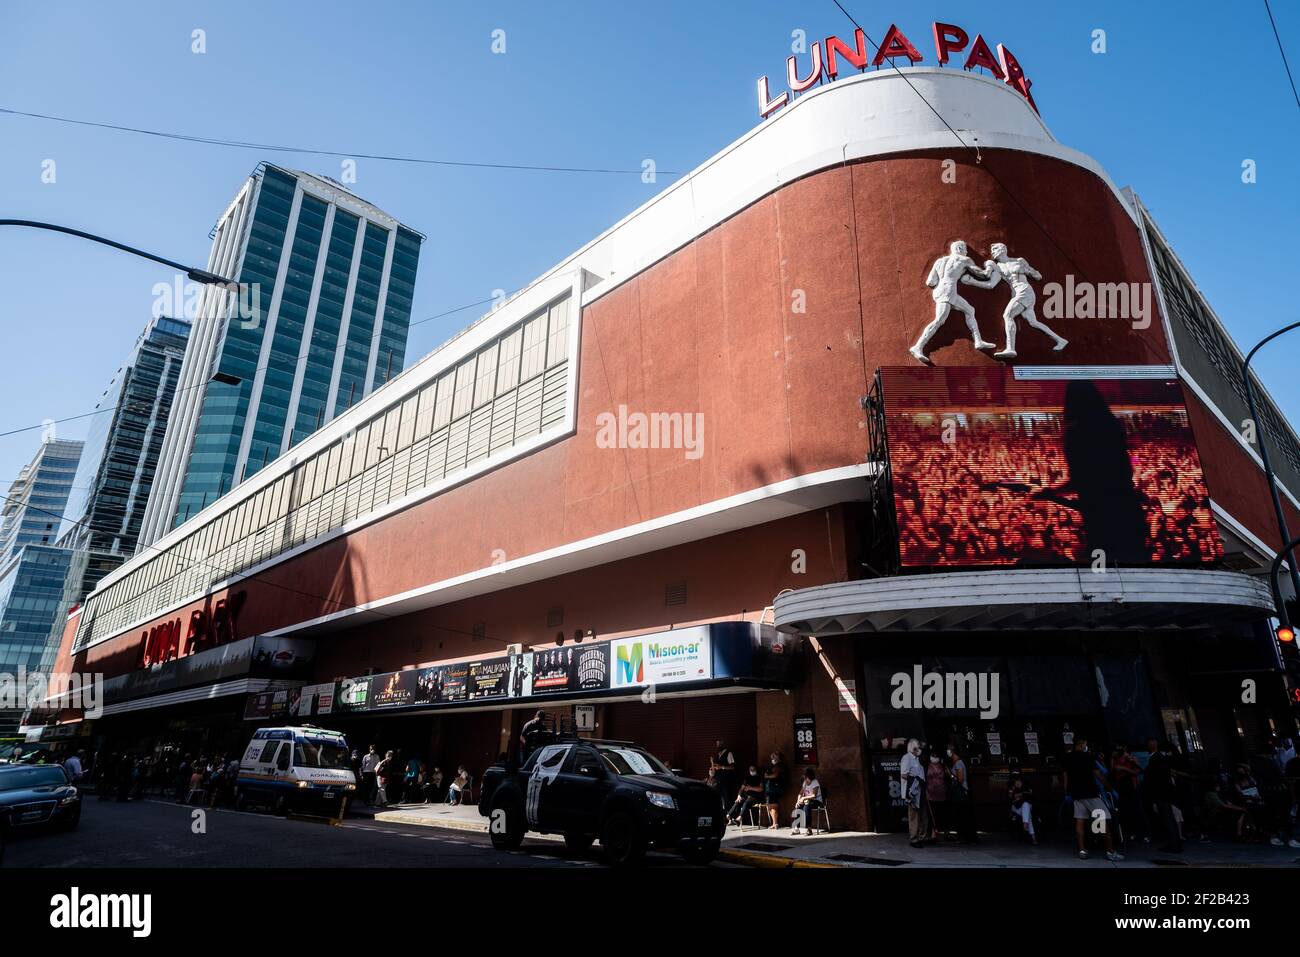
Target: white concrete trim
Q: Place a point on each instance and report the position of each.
(693, 524)
(1242, 532)
(499, 575)
(1223, 420)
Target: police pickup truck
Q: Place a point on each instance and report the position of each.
(613, 791)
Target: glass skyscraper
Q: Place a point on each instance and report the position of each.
(32, 568)
(328, 282)
(33, 506)
(114, 481)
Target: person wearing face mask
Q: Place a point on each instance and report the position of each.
(936, 794)
(912, 776)
(959, 798)
(773, 787)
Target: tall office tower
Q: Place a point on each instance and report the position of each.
(33, 507)
(320, 322)
(113, 483)
(32, 568)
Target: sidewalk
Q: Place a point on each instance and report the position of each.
(759, 847)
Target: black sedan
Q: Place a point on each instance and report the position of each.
(38, 794)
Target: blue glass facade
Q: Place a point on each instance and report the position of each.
(33, 508)
(323, 342)
(31, 598)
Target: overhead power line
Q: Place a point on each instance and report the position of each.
(312, 151)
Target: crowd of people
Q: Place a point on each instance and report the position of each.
(938, 793)
(394, 778)
(1117, 799)
(998, 493)
(759, 790)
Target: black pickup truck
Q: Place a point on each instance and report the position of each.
(613, 791)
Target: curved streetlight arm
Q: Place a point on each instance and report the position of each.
(193, 272)
(1284, 533)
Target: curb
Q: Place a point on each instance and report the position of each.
(772, 861)
(401, 817)
(747, 858)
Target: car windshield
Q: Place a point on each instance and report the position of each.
(627, 760)
(38, 777)
(320, 753)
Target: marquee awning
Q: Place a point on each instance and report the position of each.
(1027, 600)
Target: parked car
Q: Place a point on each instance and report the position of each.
(32, 795)
(614, 791)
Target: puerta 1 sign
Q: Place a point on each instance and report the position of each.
(949, 39)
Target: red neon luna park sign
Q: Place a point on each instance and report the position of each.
(948, 39)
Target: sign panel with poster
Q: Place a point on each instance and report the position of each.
(682, 655)
(563, 670)
(270, 704)
(314, 700)
(354, 694)
(393, 690)
(489, 678)
(805, 739)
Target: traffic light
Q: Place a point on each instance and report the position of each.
(1290, 651)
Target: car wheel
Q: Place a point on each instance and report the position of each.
(578, 842)
(622, 839)
(506, 824)
(72, 822)
(281, 806)
(701, 853)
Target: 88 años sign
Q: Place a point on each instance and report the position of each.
(828, 57)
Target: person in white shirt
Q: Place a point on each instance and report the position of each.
(912, 776)
(368, 783)
(73, 767)
(810, 796)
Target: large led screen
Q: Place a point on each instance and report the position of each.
(991, 469)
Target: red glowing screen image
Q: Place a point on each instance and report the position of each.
(991, 469)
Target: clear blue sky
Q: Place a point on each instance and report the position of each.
(582, 83)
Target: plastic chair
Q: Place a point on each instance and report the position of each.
(812, 817)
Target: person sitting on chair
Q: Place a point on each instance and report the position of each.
(810, 798)
(751, 792)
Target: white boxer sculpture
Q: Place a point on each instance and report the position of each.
(943, 279)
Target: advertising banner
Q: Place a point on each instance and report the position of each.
(672, 657)
(561, 670)
(314, 700)
(269, 704)
(489, 678)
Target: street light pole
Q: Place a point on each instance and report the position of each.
(1283, 618)
(193, 272)
(1288, 545)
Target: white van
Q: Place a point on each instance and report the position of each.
(289, 769)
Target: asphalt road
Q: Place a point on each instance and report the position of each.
(152, 833)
